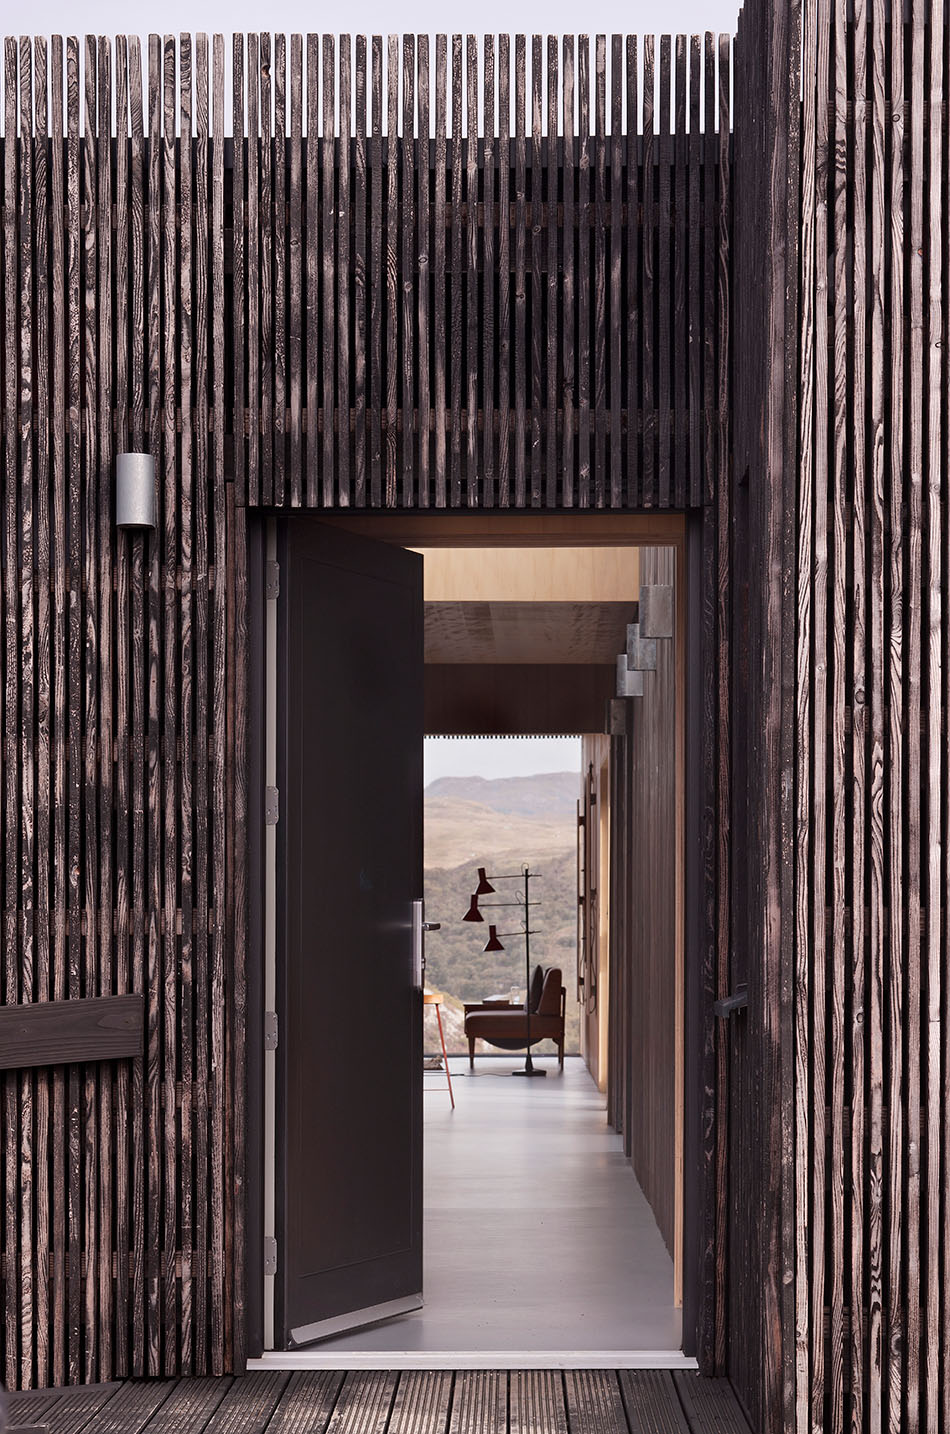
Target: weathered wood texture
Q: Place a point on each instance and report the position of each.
(413, 1402)
(332, 312)
(872, 622)
(470, 341)
(764, 1208)
(119, 1216)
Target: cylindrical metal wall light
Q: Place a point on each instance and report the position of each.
(135, 490)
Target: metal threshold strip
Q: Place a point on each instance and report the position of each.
(475, 1359)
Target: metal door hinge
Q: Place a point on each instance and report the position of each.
(271, 581)
(270, 1030)
(270, 1255)
(271, 806)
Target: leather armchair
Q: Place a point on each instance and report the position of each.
(506, 1027)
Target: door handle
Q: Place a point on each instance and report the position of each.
(432, 925)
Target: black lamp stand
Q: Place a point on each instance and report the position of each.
(529, 1066)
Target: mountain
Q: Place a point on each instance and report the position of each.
(542, 795)
(499, 823)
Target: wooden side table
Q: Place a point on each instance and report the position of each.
(434, 998)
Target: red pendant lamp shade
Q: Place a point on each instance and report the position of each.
(493, 944)
(484, 887)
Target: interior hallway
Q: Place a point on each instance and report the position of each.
(538, 1241)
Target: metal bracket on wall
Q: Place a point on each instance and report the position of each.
(270, 1255)
(271, 806)
(271, 581)
(728, 1006)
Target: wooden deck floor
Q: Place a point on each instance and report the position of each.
(384, 1402)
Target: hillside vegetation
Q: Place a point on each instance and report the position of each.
(514, 821)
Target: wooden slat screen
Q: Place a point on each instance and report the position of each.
(505, 291)
(118, 1206)
(527, 309)
(872, 1010)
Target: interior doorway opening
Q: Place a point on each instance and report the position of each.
(489, 694)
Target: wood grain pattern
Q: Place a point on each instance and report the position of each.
(327, 311)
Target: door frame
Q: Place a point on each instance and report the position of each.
(681, 531)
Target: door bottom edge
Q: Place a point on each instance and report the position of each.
(355, 1319)
(474, 1359)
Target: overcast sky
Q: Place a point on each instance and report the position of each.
(108, 17)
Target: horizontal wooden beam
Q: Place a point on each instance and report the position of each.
(56, 1033)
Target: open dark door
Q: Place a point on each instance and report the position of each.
(349, 1083)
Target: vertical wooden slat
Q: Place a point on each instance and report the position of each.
(567, 463)
(21, 746)
(42, 695)
(255, 279)
(314, 490)
(679, 336)
(74, 940)
(936, 755)
(217, 872)
(694, 319)
(408, 264)
(359, 279)
(170, 829)
(392, 251)
(489, 333)
(282, 259)
(439, 277)
(615, 293)
(423, 284)
(376, 276)
(663, 267)
(810, 462)
(726, 655)
(520, 305)
(105, 897)
(58, 795)
(239, 264)
(295, 275)
(472, 466)
(93, 854)
(342, 276)
(583, 274)
(153, 837)
(267, 245)
(537, 287)
(137, 435)
(185, 684)
(854, 954)
(552, 311)
(203, 896)
(504, 271)
(123, 562)
(916, 830)
(648, 490)
(709, 266)
(599, 355)
(633, 291)
(455, 267)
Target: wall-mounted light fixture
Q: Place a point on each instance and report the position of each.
(135, 490)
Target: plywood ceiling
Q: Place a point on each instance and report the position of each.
(591, 633)
(530, 575)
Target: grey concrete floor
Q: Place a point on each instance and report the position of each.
(537, 1236)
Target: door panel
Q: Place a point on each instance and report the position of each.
(350, 864)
